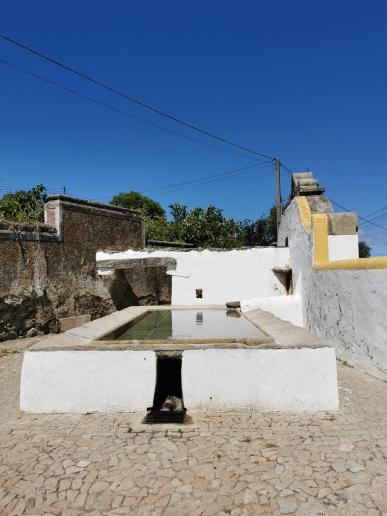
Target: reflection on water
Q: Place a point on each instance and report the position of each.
(199, 317)
(190, 324)
(232, 313)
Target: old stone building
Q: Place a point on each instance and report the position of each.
(48, 272)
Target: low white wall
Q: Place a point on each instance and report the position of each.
(268, 379)
(287, 308)
(218, 379)
(343, 247)
(87, 381)
(222, 275)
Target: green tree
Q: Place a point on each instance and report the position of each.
(364, 250)
(149, 208)
(158, 229)
(263, 231)
(24, 205)
(205, 227)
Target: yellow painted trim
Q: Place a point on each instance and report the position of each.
(320, 238)
(376, 262)
(320, 243)
(305, 213)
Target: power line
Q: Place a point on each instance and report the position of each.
(128, 97)
(361, 218)
(286, 168)
(366, 221)
(212, 178)
(11, 189)
(142, 104)
(117, 110)
(14, 189)
(381, 216)
(379, 219)
(353, 165)
(377, 211)
(210, 181)
(205, 178)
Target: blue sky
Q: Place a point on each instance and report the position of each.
(305, 81)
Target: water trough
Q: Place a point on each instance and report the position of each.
(254, 362)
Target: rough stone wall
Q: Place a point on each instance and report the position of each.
(49, 275)
(348, 308)
(150, 285)
(136, 282)
(139, 286)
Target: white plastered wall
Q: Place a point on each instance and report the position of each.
(343, 247)
(347, 308)
(87, 381)
(221, 275)
(217, 379)
(287, 308)
(268, 379)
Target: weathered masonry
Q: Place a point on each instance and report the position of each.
(48, 271)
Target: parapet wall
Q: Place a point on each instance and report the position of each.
(49, 271)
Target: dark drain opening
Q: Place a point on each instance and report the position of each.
(168, 405)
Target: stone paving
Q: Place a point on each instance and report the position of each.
(225, 464)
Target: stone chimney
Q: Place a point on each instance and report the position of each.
(303, 183)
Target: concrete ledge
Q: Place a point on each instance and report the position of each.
(287, 308)
(66, 323)
(376, 262)
(169, 263)
(281, 334)
(284, 334)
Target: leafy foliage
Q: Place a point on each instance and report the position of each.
(364, 250)
(210, 228)
(149, 208)
(24, 205)
(205, 227)
(263, 231)
(158, 229)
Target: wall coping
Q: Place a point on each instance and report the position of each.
(132, 263)
(92, 204)
(153, 249)
(354, 264)
(279, 334)
(32, 236)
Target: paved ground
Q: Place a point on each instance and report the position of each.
(234, 463)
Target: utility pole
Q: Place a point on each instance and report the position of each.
(278, 193)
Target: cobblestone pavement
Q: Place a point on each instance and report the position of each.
(233, 463)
